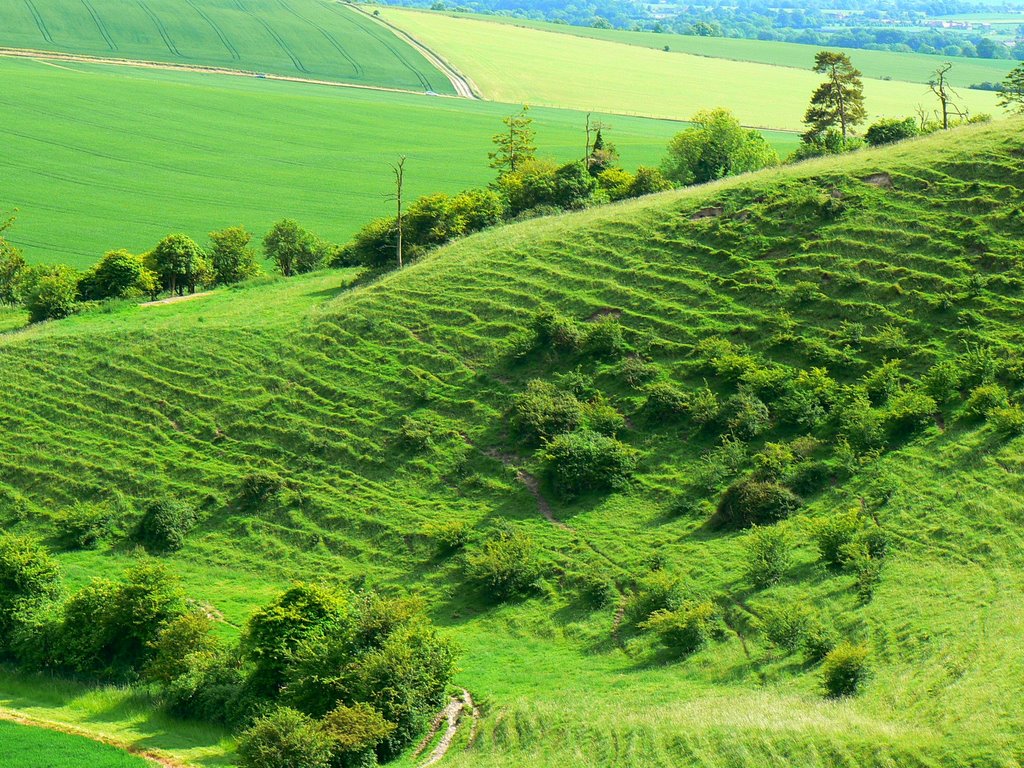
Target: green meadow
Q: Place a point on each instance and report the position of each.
(911, 67)
(385, 405)
(127, 156)
(516, 64)
(27, 747)
(315, 39)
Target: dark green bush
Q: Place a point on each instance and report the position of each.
(29, 579)
(686, 629)
(558, 332)
(594, 586)
(835, 533)
(260, 486)
(845, 670)
(768, 556)
(604, 338)
(819, 640)
(658, 591)
(355, 733)
(505, 565)
(636, 371)
(985, 398)
(449, 535)
(86, 524)
(666, 401)
(285, 738)
(584, 461)
(1007, 419)
(703, 407)
(750, 502)
(165, 524)
(747, 416)
(891, 129)
(910, 412)
(883, 382)
(50, 293)
(942, 381)
(178, 644)
(602, 417)
(542, 411)
(786, 625)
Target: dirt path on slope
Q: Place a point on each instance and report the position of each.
(463, 86)
(452, 714)
(81, 58)
(175, 299)
(153, 756)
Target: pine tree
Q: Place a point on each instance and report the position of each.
(839, 101)
(514, 145)
(1012, 96)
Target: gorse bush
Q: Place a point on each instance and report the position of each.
(29, 579)
(983, 399)
(558, 332)
(786, 625)
(755, 502)
(542, 411)
(658, 591)
(768, 556)
(686, 629)
(602, 417)
(665, 401)
(449, 535)
(845, 670)
(1007, 419)
(285, 737)
(585, 461)
(505, 565)
(355, 732)
(891, 129)
(165, 525)
(86, 524)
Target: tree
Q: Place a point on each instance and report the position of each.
(50, 293)
(119, 274)
(889, 130)
(29, 578)
(399, 170)
(944, 92)
(839, 101)
(603, 155)
(515, 145)
(178, 263)
(231, 257)
(647, 181)
(715, 146)
(285, 738)
(12, 266)
(293, 249)
(1012, 96)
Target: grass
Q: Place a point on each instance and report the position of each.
(106, 166)
(302, 38)
(910, 67)
(517, 64)
(26, 747)
(315, 382)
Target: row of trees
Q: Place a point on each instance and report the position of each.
(320, 677)
(175, 265)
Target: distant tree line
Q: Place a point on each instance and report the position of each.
(321, 677)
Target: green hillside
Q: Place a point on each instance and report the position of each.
(315, 39)
(911, 67)
(26, 747)
(520, 65)
(385, 407)
(106, 166)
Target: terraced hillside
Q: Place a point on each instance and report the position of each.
(783, 297)
(317, 39)
(519, 64)
(257, 151)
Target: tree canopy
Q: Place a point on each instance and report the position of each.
(839, 101)
(1012, 96)
(715, 146)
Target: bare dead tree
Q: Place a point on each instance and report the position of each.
(399, 171)
(946, 94)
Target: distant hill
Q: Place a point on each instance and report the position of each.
(848, 328)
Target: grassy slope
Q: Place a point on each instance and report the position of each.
(304, 38)
(26, 747)
(106, 166)
(912, 67)
(183, 398)
(516, 64)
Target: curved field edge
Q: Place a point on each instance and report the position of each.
(525, 65)
(317, 389)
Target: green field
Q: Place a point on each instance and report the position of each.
(26, 747)
(911, 67)
(317, 39)
(107, 166)
(516, 64)
(808, 266)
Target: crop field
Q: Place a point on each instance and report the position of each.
(912, 253)
(254, 152)
(28, 747)
(516, 64)
(910, 67)
(316, 39)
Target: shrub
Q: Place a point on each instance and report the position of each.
(1007, 419)
(542, 411)
(617, 182)
(558, 331)
(665, 401)
(506, 564)
(373, 245)
(883, 382)
(755, 502)
(177, 642)
(747, 416)
(889, 130)
(768, 556)
(594, 586)
(602, 417)
(714, 146)
(985, 398)
(259, 486)
(647, 181)
(703, 407)
(786, 625)
(119, 274)
(285, 737)
(860, 424)
(354, 733)
(51, 294)
(165, 524)
(178, 263)
(658, 591)
(604, 338)
(910, 412)
(942, 381)
(582, 461)
(834, 534)
(85, 525)
(449, 535)
(636, 371)
(573, 187)
(29, 578)
(773, 462)
(687, 629)
(819, 640)
(212, 688)
(845, 670)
